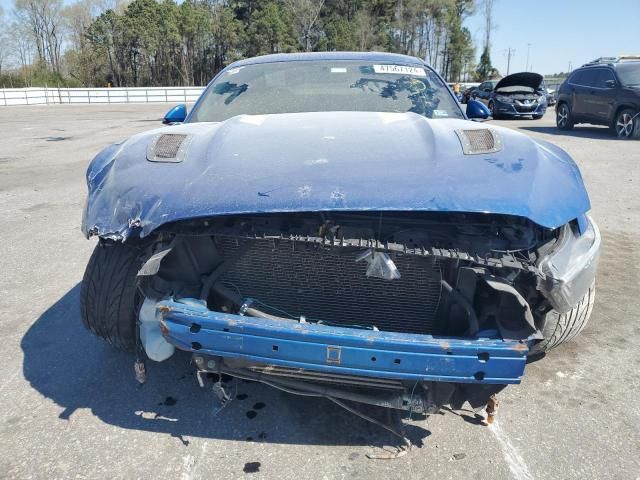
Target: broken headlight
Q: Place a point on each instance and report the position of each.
(570, 267)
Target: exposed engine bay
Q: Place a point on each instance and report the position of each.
(438, 275)
(450, 274)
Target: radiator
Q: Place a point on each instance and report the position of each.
(326, 284)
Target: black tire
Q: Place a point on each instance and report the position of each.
(562, 327)
(564, 118)
(492, 109)
(108, 294)
(626, 124)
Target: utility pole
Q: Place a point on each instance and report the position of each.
(526, 67)
(510, 52)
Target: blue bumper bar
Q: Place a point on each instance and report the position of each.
(343, 350)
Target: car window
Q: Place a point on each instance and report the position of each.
(579, 77)
(629, 74)
(590, 78)
(325, 86)
(604, 75)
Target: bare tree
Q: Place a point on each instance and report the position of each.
(78, 17)
(44, 18)
(20, 49)
(489, 25)
(365, 29)
(306, 14)
(3, 43)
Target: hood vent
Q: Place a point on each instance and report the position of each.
(167, 147)
(479, 140)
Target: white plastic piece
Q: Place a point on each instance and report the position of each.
(380, 265)
(156, 347)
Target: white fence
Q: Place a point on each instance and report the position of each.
(46, 96)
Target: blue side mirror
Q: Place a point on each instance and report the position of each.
(477, 110)
(176, 115)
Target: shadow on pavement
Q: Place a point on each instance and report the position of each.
(598, 133)
(66, 364)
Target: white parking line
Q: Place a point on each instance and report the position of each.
(510, 453)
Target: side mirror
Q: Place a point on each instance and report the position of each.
(176, 115)
(610, 83)
(477, 110)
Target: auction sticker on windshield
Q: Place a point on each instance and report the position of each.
(400, 70)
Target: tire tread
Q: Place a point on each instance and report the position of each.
(108, 296)
(562, 327)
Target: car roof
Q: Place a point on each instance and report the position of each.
(297, 57)
(613, 64)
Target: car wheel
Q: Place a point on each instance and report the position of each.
(626, 123)
(562, 327)
(109, 300)
(564, 120)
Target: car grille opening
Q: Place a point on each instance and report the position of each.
(321, 283)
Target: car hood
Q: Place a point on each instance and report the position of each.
(327, 161)
(521, 79)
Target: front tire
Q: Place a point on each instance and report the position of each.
(492, 109)
(109, 299)
(626, 123)
(564, 119)
(562, 327)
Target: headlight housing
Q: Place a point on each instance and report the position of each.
(570, 266)
(503, 99)
(542, 99)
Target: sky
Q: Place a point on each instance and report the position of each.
(561, 32)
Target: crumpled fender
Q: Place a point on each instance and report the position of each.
(328, 161)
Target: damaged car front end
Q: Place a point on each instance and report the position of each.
(408, 260)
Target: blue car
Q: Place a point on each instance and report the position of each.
(517, 95)
(333, 224)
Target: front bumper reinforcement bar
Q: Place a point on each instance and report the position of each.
(340, 350)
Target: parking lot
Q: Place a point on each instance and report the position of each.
(70, 406)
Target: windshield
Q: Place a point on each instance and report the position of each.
(325, 86)
(629, 74)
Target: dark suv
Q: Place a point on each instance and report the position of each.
(602, 94)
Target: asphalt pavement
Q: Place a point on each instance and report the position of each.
(70, 407)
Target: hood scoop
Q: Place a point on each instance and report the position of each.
(167, 147)
(479, 141)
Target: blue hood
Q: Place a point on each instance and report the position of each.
(328, 161)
